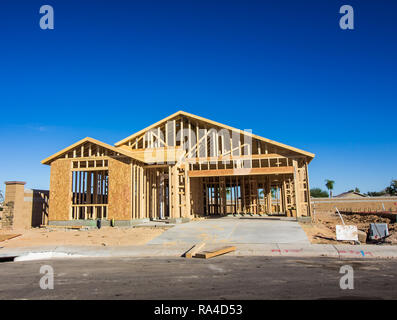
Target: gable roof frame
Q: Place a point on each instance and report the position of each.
(55, 156)
(198, 118)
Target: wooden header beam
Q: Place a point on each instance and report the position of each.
(241, 172)
(242, 157)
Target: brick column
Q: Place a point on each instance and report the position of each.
(14, 196)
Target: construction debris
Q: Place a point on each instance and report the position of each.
(346, 233)
(323, 228)
(362, 236)
(378, 232)
(196, 248)
(211, 254)
(321, 236)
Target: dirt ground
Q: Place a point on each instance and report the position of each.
(106, 236)
(322, 228)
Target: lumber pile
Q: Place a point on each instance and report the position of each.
(196, 248)
(194, 251)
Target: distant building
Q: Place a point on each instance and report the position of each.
(351, 194)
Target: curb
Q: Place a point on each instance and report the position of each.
(242, 250)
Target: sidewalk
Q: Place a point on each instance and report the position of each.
(159, 250)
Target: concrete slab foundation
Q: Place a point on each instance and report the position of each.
(232, 230)
(93, 223)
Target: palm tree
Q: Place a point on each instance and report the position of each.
(330, 186)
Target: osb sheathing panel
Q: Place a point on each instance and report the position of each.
(120, 189)
(60, 190)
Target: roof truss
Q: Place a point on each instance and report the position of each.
(87, 148)
(152, 132)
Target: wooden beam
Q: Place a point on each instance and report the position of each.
(231, 158)
(218, 125)
(210, 254)
(241, 172)
(196, 248)
(90, 169)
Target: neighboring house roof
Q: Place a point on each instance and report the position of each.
(351, 194)
(189, 115)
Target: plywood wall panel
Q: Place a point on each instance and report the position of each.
(120, 189)
(60, 190)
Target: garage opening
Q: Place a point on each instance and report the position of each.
(246, 195)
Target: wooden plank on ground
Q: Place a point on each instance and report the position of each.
(210, 254)
(196, 248)
(4, 237)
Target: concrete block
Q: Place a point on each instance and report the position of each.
(362, 236)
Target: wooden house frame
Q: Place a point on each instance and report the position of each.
(180, 167)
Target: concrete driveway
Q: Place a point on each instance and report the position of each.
(234, 230)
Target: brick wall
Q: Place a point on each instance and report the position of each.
(23, 208)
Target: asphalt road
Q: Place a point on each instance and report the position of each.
(218, 278)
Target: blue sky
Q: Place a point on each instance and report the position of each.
(281, 68)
